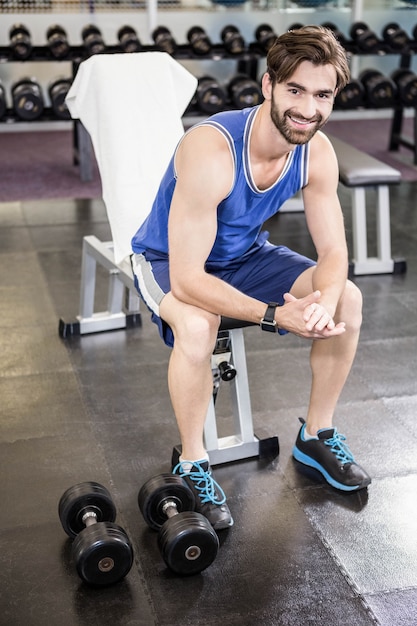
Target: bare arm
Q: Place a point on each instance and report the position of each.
(204, 178)
(325, 223)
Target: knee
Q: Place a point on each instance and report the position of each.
(351, 307)
(196, 334)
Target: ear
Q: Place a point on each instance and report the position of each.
(266, 86)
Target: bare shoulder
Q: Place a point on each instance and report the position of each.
(322, 160)
(204, 157)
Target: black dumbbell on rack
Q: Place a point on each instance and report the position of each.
(93, 40)
(265, 36)
(164, 40)
(210, 96)
(244, 91)
(20, 42)
(58, 44)
(380, 90)
(101, 550)
(395, 36)
(232, 40)
(406, 82)
(351, 96)
(128, 39)
(336, 32)
(58, 91)
(199, 41)
(27, 98)
(186, 539)
(364, 37)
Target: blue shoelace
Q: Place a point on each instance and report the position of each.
(339, 448)
(208, 489)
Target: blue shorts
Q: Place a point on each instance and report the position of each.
(265, 272)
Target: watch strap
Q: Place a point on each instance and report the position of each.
(268, 322)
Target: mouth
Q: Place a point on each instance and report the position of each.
(301, 122)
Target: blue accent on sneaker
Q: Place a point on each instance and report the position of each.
(330, 455)
(207, 488)
(307, 460)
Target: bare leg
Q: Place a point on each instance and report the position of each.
(331, 359)
(189, 375)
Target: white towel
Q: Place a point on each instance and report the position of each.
(131, 105)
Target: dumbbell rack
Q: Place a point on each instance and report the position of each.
(247, 63)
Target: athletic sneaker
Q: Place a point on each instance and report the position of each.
(209, 496)
(330, 455)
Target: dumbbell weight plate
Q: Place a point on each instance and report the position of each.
(156, 491)
(21, 44)
(58, 91)
(211, 98)
(188, 543)
(351, 96)
(83, 497)
(199, 40)
(244, 91)
(380, 90)
(102, 553)
(395, 36)
(27, 99)
(406, 82)
(129, 39)
(58, 42)
(265, 36)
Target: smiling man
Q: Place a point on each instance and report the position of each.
(202, 254)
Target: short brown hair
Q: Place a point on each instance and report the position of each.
(316, 44)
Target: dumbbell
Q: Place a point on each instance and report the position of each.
(129, 40)
(336, 32)
(58, 91)
(380, 90)
(265, 36)
(101, 550)
(232, 40)
(186, 539)
(199, 41)
(244, 91)
(210, 96)
(364, 37)
(92, 40)
(57, 40)
(164, 40)
(406, 82)
(27, 99)
(295, 26)
(351, 96)
(395, 36)
(3, 104)
(20, 42)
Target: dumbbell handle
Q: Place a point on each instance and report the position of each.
(169, 508)
(89, 518)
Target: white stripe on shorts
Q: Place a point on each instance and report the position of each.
(150, 291)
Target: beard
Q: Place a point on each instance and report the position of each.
(294, 136)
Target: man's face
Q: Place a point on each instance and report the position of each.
(301, 105)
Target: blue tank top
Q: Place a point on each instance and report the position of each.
(242, 213)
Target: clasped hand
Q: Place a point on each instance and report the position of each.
(308, 318)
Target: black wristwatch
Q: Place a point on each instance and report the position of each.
(268, 321)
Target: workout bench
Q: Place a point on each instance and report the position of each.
(359, 171)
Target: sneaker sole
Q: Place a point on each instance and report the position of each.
(307, 460)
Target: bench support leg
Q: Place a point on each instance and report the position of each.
(122, 299)
(382, 263)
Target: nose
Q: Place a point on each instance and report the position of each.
(308, 107)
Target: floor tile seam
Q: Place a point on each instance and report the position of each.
(339, 564)
(391, 590)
